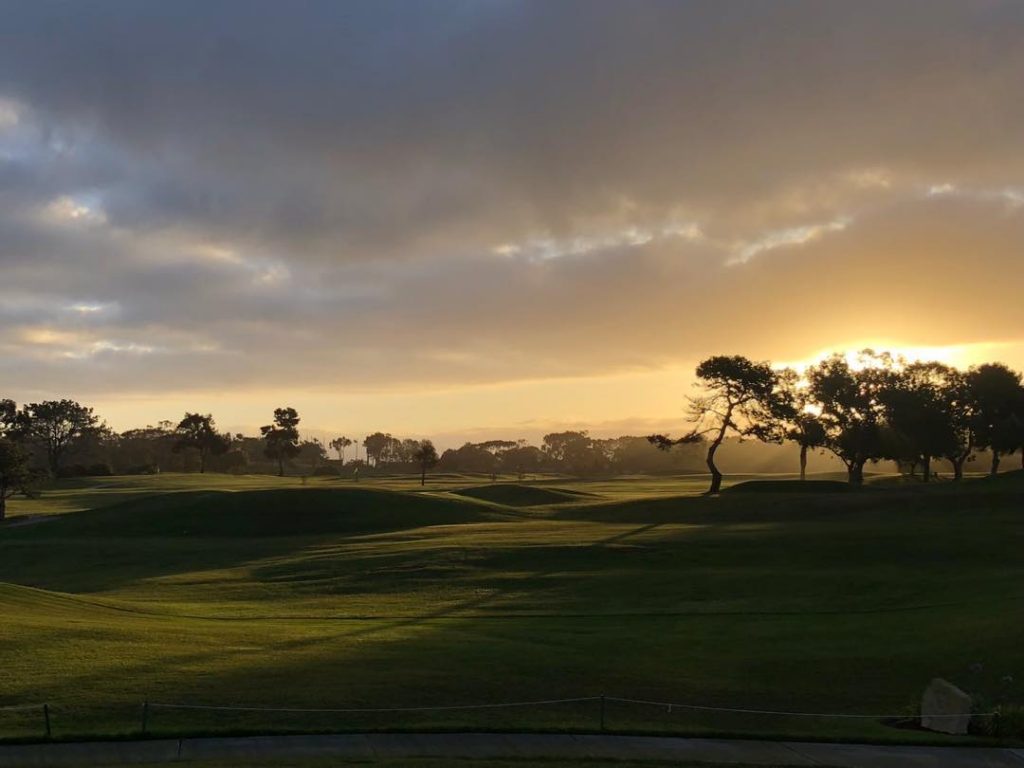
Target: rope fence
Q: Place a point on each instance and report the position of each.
(597, 707)
(43, 709)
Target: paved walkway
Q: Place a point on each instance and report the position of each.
(370, 747)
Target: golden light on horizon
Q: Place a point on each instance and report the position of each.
(956, 355)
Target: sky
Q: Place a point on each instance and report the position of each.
(496, 218)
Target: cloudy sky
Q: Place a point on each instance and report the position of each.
(457, 218)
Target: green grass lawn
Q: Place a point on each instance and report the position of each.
(266, 592)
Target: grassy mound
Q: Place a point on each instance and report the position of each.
(790, 486)
(265, 513)
(515, 495)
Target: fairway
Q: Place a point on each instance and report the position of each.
(331, 595)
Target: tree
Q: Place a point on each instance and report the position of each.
(998, 401)
(377, 447)
(741, 397)
(56, 425)
(426, 457)
(312, 452)
(198, 432)
(577, 453)
(918, 402)
(339, 444)
(851, 413)
(8, 416)
(14, 472)
(282, 437)
(797, 420)
(807, 431)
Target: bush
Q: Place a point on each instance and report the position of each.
(327, 470)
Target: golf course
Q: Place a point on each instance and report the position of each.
(253, 603)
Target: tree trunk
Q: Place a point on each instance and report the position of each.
(716, 476)
(855, 471)
(280, 465)
(803, 462)
(423, 476)
(202, 461)
(958, 467)
(995, 464)
(926, 468)
(3, 505)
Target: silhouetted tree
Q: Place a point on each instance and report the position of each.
(796, 418)
(377, 446)
(312, 452)
(426, 457)
(339, 444)
(8, 416)
(741, 397)
(522, 458)
(851, 412)
(998, 402)
(282, 437)
(14, 472)
(55, 425)
(198, 432)
(577, 452)
(918, 402)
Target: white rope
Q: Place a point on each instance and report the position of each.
(376, 709)
(672, 705)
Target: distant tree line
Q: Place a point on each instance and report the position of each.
(864, 410)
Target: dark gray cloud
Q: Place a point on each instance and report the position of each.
(482, 191)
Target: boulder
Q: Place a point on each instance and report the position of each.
(945, 708)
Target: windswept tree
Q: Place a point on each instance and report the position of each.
(851, 411)
(281, 439)
(14, 472)
(56, 426)
(426, 457)
(198, 432)
(339, 444)
(741, 397)
(998, 400)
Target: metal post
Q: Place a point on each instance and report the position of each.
(46, 716)
(145, 716)
(602, 713)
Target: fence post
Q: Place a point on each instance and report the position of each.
(602, 713)
(46, 717)
(145, 716)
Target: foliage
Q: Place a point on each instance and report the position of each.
(55, 426)
(426, 457)
(198, 432)
(740, 397)
(14, 472)
(281, 438)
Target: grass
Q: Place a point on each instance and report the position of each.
(518, 495)
(319, 762)
(265, 592)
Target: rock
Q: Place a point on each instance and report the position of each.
(945, 708)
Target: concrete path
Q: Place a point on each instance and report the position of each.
(381, 746)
